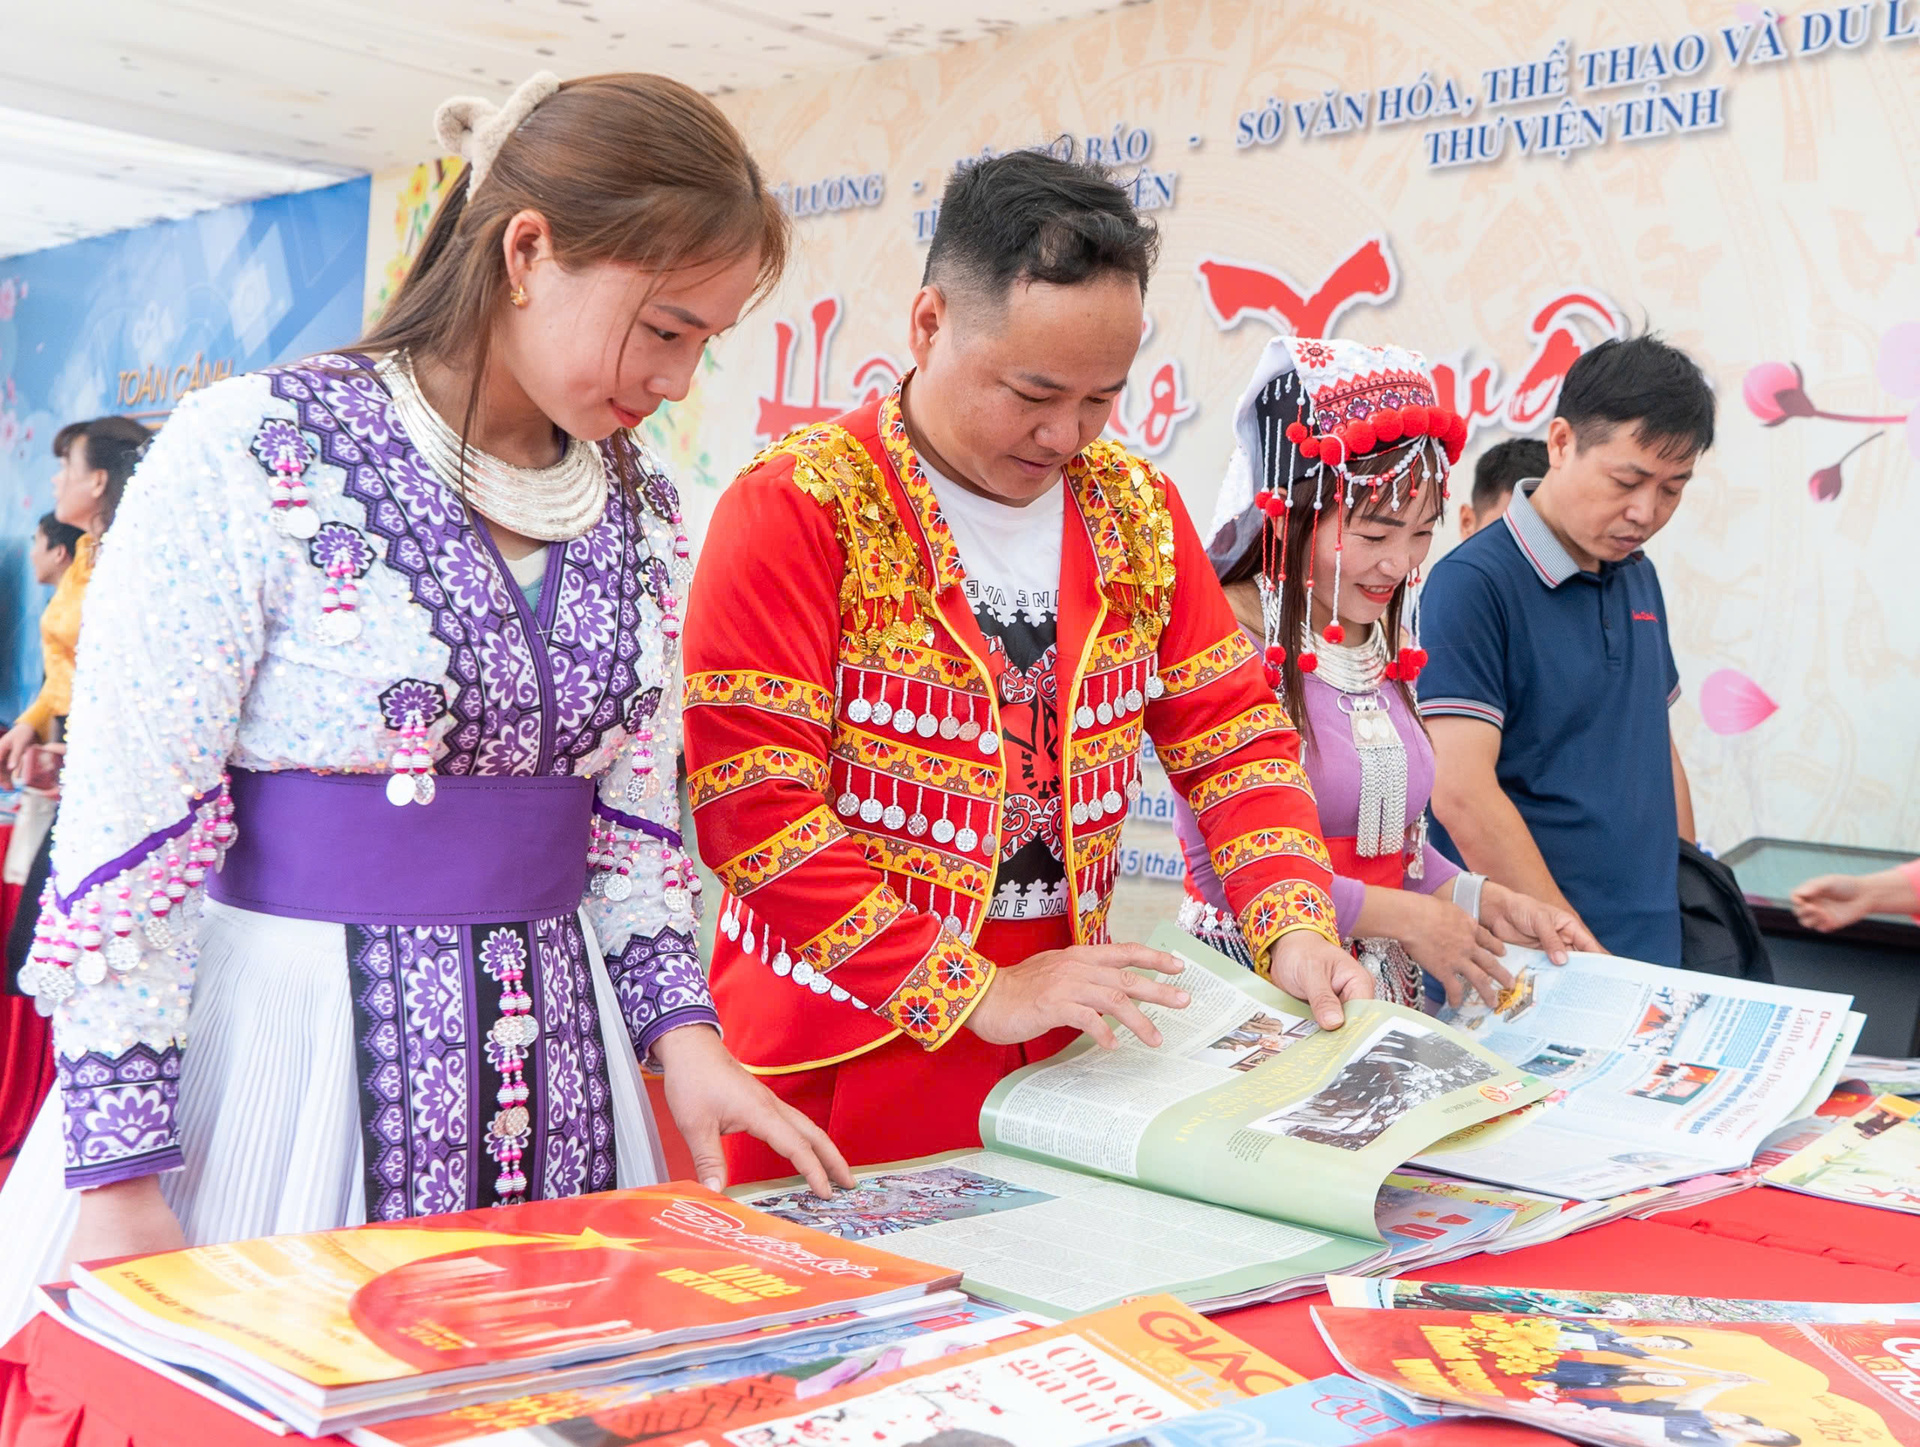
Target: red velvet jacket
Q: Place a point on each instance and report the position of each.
(827, 603)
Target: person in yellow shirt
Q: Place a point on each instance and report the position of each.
(96, 459)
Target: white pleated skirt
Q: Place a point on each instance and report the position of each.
(269, 1112)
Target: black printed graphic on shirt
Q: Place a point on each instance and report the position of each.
(1021, 632)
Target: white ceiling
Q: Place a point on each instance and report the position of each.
(224, 100)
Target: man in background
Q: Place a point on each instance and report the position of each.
(1501, 468)
(1551, 671)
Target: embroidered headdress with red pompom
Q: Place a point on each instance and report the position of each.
(1315, 406)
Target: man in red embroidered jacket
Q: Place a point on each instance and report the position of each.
(922, 648)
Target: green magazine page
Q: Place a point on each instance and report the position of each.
(1239, 1160)
(1248, 1104)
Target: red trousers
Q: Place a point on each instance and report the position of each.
(895, 1102)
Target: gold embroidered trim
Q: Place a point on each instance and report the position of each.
(905, 761)
(1263, 844)
(1280, 909)
(1236, 733)
(939, 993)
(755, 766)
(793, 846)
(1238, 778)
(1207, 665)
(773, 693)
(863, 923)
(924, 861)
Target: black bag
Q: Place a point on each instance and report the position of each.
(1718, 933)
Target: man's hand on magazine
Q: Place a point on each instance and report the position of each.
(711, 1094)
(1312, 968)
(1077, 987)
(127, 1218)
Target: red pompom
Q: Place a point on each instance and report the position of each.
(1456, 430)
(1388, 424)
(1392, 670)
(1268, 503)
(1272, 675)
(1416, 656)
(1413, 420)
(1276, 654)
(1297, 433)
(1310, 449)
(1333, 451)
(1335, 633)
(1360, 437)
(1309, 662)
(1454, 449)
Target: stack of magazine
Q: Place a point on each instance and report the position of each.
(338, 1328)
(1614, 1367)
(1869, 1158)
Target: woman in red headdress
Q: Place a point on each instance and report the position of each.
(1325, 517)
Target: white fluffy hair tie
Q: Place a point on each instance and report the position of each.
(474, 128)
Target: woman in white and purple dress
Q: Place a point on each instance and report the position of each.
(367, 894)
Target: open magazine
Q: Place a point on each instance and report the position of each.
(1240, 1160)
(1871, 1159)
(1822, 1384)
(1402, 1294)
(1661, 1074)
(1881, 1075)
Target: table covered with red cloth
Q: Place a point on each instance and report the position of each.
(58, 1390)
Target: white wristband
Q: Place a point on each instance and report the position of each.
(1466, 892)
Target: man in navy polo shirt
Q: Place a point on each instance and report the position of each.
(1551, 673)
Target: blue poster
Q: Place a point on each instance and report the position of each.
(133, 321)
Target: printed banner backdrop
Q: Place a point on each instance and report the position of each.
(132, 322)
(1497, 187)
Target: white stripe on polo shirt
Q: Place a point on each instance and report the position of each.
(1538, 545)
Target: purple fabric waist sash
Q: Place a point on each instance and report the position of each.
(330, 847)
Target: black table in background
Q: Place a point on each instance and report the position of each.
(1877, 961)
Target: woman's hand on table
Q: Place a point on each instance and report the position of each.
(1523, 920)
(126, 1218)
(710, 1094)
(1449, 944)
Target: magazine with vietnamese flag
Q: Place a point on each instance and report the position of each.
(1109, 1174)
(1111, 1375)
(1401, 1293)
(330, 1324)
(1822, 1384)
(1871, 1158)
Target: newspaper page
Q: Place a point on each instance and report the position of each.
(1872, 1158)
(1400, 1293)
(1661, 1074)
(1033, 1237)
(1246, 1100)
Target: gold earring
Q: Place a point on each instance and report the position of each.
(518, 296)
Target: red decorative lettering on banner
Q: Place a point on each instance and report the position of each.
(1167, 406)
(780, 413)
(1563, 328)
(1236, 290)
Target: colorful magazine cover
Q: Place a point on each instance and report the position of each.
(1331, 1411)
(1404, 1294)
(1882, 1075)
(1792, 1384)
(1871, 1159)
(1121, 1371)
(345, 1316)
(636, 1410)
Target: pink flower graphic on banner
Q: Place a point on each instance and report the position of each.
(13, 291)
(1776, 391)
(1732, 703)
